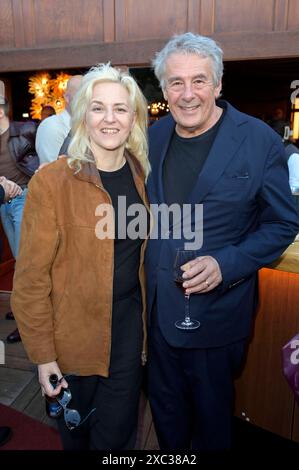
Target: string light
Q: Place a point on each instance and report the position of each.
(47, 91)
(158, 108)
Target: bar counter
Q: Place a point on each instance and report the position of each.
(263, 396)
(289, 260)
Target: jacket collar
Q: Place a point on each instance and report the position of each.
(90, 173)
(14, 129)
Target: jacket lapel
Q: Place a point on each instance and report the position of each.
(228, 139)
(161, 148)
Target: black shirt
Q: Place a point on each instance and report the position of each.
(183, 163)
(126, 250)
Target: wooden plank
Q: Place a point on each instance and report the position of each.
(7, 33)
(109, 20)
(281, 15)
(36, 407)
(27, 395)
(12, 383)
(248, 15)
(193, 16)
(207, 17)
(68, 22)
(237, 46)
(29, 20)
(18, 23)
(293, 16)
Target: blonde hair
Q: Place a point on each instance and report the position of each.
(79, 149)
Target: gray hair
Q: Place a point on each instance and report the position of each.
(189, 43)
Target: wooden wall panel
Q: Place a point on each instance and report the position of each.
(7, 38)
(193, 15)
(24, 21)
(68, 22)
(293, 15)
(37, 34)
(150, 18)
(247, 15)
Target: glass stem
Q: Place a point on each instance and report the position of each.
(187, 308)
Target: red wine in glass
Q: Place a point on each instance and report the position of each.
(182, 257)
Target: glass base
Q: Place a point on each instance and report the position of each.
(187, 325)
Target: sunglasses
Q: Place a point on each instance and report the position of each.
(72, 417)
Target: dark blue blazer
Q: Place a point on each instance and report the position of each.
(248, 221)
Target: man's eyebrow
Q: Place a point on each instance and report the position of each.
(199, 75)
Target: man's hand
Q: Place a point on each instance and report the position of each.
(11, 189)
(202, 275)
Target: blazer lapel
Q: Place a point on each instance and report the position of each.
(162, 151)
(229, 138)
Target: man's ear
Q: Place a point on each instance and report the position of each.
(165, 95)
(1, 112)
(218, 89)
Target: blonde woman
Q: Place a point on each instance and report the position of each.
(78, 293)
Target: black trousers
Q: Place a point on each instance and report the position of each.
(113, 426)
(191, 393)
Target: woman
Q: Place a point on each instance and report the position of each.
(79, 292)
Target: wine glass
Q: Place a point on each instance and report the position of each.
(182, 257)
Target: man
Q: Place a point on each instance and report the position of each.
(46, 112)
(18, 162)
(206, 152)
(8, 190)
(52, 131)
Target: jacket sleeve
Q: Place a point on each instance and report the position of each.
(277, 226)
(30, 298)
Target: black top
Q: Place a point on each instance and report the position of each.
(183, 163)
(126, 250)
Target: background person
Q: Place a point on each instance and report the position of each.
(79, 300)
(46, 112)
(52, 132)
(206, 152)
(8, 190)
(18, 162)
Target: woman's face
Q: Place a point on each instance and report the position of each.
(109, 117)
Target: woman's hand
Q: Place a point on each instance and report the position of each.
(44, 372)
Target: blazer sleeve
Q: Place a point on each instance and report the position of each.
(276, 229)
(30, 298)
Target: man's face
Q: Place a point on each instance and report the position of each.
(191, 93)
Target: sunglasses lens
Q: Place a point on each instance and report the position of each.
(65, 399)
(72, 418)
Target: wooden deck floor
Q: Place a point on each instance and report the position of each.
(19, 387)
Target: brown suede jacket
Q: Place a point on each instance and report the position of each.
(63, 283)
